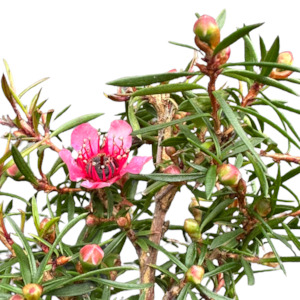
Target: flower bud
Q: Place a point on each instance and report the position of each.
(195, 210)
(124, 222)
(195, 274)
(192, 228)
(270, 264)
(12, 171)
(92, 220)
(283, 58)
(172, 169)
(91, 256)
(222, 56)
(229, 175)
(32, 291)
(16, 297)
(263, 207)
(207, 29)
(50, 234)
(241, 187)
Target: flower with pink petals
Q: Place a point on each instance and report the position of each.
(101, 164)
(91, 256)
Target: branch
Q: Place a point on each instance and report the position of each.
(277, 157)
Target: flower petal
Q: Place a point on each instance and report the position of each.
(119, 129)
(135, 166)
(95, 185)
(76, 173)
(83, 132)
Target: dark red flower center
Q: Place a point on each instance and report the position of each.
(101, 167)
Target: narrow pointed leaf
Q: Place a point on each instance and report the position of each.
(32, 86)
(24, 263)
(271, 56)
(75, 122)
(238, 128)
(210, 180)
(174, 178)
(22, 166)
(149, 79)
(183, 45)
(221, 18)
(225, 238)
(248, 271)
(211, 294)
(239, 33)
(167, 88)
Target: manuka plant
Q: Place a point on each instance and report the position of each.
(210, 141)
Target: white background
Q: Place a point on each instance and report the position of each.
(81, 45)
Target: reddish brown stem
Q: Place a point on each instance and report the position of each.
(277, 157)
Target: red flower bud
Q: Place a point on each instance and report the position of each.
(91, 256)
(92, 220)
(207, 29)
(228, 175)
(195, 274)
(263, 207)
(270, 264)
(222, 56)
(283, 58)
(32, 291)
(16, 297)
(192, 228)
(172, 169)
(12, 171)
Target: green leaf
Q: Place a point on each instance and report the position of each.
(225, 238)
(195, 141)
(35, 215)
(258, 78)
(75, 122)
(221, 18)
(24, 263)
(39, 274)
(174, 178)
(149, 79)
(293, 238)
(239, 33)
(273, 249)
(74, 290)
(236, 125)
(263, 49)
(132, 117)
(268, 121)
(167, 88)
(167, 124)
(260, 173)
(191, 254)
(250, 54)
(184, 46)
(210, 180)
(208, 125)
(263, 64)
(211, 294)
(183, 293)
(62, 112)
(215, 212)
(202, 254)
(122, 285)
(114, 244)
(32, 86)
(22, 165)
(165, 271)
(248, 271)
(271, 56)
(222, 269)
(31, 259)
(174, 259)
(15, 196)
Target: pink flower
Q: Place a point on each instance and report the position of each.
(101, 164)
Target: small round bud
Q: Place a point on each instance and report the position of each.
(50, 234)
(32, 291)
(283, 58)
(229, 175)
(92, 220)
(241, 187)
(195, 274)
(124, 222)
(263, 207)
(91, 256)
(16, 297)
(172, 169)
(222, 56)
(207, 29)
(195, 210)
(12, 171)
(192, 228)
(270, 264)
